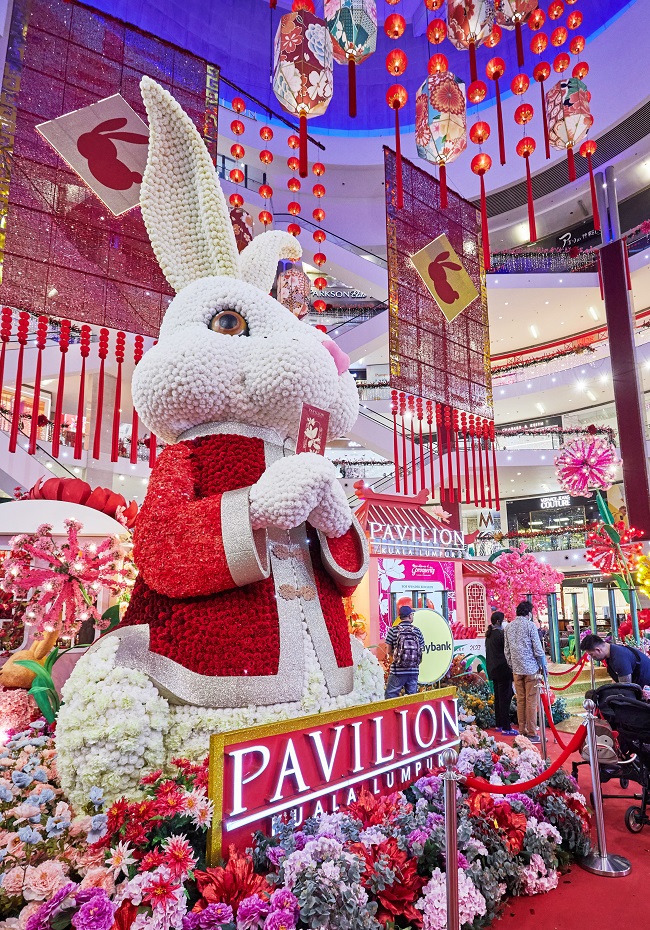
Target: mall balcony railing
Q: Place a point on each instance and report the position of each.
(41, 454)
(560, 260)
(486, 546)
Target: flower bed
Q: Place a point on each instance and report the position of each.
(377, 863)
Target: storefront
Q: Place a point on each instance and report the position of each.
(551, 522)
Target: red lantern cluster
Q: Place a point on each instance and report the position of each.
(396, 96)
(319, 236)
(238, 152)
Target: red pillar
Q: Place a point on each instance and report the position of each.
(628, 395)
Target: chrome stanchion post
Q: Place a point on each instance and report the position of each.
(600, 862)
(450, 778)
(542, 715)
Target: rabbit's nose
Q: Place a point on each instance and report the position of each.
(341, 360)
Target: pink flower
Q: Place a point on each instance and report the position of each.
(25, 811)
(27, 912)
(13, 882)
(179, 857)
(80, 826)
(14, 847)
(99, 877)
(42, 882)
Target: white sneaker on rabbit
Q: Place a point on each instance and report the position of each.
(244, 549)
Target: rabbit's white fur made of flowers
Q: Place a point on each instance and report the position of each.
(115, 723)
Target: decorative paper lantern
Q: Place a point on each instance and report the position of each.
(481, 164)
(320, 283)
(318, 168)
(580, 70)
(302, 70)
(561, 62)
(520, 84)
(495, 37)
(265, 217)
(511, 14)
(469, 23)
(293, 290)
(238, 105)
(292, 163)
(577, 45)
(237, 127)
(541, 73)
(242, 224)
(587, 149)
(437, 31)
(441, 123)
(569, 117)
(536, 19)
(266, 133)
(524, 114)
(293, 142)
(495, 69)
(294, 185)
(319, 235)
(477, 92)
(556, 9)
(352, 25)
(394, 26)
(236, 175)
(479, 132)
(320, 307)
(525, 148)
(320, 258)
(236, 200)
(396, 97)
(432, 5)
(539, 43)
(266, 191)
(293, 208)
(574, 19)
(438, 63)
(396, 62)
(266, 157)
(293, 229)
(319, 214)
(559, 36)
(237, 151)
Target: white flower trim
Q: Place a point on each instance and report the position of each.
(114, 726)
(299, 488)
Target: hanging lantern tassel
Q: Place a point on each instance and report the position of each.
(414, 471)
(402, 413)
(64, 342)
(472, 62)
(41, 338)
(393, 410)
(302, 151)
(420, 413)
(520, 43)
(396, 97)
(479, 437)
(571, 161)
(525, 148)
(450, 461)
(472, 433)
(5, 335)
(497, 501)
(84, 348)
(443, 185)
(430, 425)
(352, 87)
(480, 164)
(23, 328)
(119, 358)
(541, 73)
(486, 440)
(138, 347)
(587, 149)
(455, 428)
(463, 427)
(103, 352)
(441, 457)
(495, 69)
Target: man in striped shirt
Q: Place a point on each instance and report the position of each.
(405, 644)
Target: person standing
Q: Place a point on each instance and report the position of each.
(525, 656)
(405, 644)
(499, 673)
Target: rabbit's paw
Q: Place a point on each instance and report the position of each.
(302, 487)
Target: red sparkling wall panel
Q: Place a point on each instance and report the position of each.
(65, 253)
(429, 357)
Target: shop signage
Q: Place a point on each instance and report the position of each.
(438, 645)
(553, 503)
(313, 765)
(400, 539)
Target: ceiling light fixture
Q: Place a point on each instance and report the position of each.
(594, 313)
(534, 331)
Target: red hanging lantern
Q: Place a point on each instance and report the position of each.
(561, 62)
(559, 36)
(438, 64)
(236, 175)
(293, 208)
(320, 306)
(539, 43)
(138, 350)
(320, 283)
(237, 127)
(41, 339)
(236, 200)
(437, 31)
(524, 114)
(396, 97)
(477, 91)
(265, 217)
(321, 329)
(574, 19)
(495, 37)
(556, 9)
(525, 148)
(237, 151)
(587, 149)
(266, 192)
(293, 229)
(318, 190)
(292, 163)
(319, 214)
(294, 185)
(468, 26)
(394, 25)
(102, 351)
(536, 19)
(541, 73)
(479, 132)
(580, 70)
(480, 165)
(520, 84)
(431, 5)
(293, 142)
(238, 105)
(577, 45)
(512, 14)
(318, 168)
(266, 133)
(319, 259)
(495, 69)
(306, 5)
(319, 235)
(266, 157)
(396, 62)
(64, 341)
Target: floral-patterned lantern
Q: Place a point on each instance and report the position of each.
(294, 289)
(441, 123)
(303, 69)
(569, 116)
(242, 225)
(511, 14)
(352, 25)
(469, 23)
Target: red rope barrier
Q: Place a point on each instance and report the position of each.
(479, 784)
(568, 685)
(571, 668)
(551, 723)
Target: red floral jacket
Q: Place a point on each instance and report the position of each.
(226, 609)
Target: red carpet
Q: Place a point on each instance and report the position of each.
(587, 901)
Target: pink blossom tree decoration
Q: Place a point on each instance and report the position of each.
(586, 464)
(519, 574)
(59, 582)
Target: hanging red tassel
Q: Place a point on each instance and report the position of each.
(420, 414)
(393, 410)
(600, 276)
(303, 166)
(6, 320)
(626, 255)
(23, 329)
(472, 433)
(119, 358)
(411, 406)
(152, 450)
(402, 413)
(41, 339)
(520, 44)
(441, 454)
(352, 87)
(488, 479)
(479, 437)
(138, 346)
(455, 428)
(473, 74)
(587, 149)
(450, 461)
(102, 350)
(273, 4)
(541, 73)
(64, 342)
(430, 425)
(84, 348)
(572, 163)
(398, 164)
(479, 165)
(525, 148)
(497, 501)
(463, 427)
(443, 186)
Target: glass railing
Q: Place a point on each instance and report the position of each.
(559, 260)
(560, 542)
(41, 455)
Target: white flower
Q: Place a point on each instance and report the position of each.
(120, 858)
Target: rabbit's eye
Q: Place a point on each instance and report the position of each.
(229, 323)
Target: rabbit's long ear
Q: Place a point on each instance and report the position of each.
(183, 206)
(259, 260)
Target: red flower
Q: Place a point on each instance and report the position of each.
(124, 916)
(151, 861)
(151, 777)
(372, 811)
(116, 815)
(170, 803)
(230, 885)
(160, 892)
(396, 900)
(178, 856)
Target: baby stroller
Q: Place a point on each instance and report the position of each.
(623, 707)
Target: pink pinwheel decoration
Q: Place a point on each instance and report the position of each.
(586, 464)
(61, 592)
